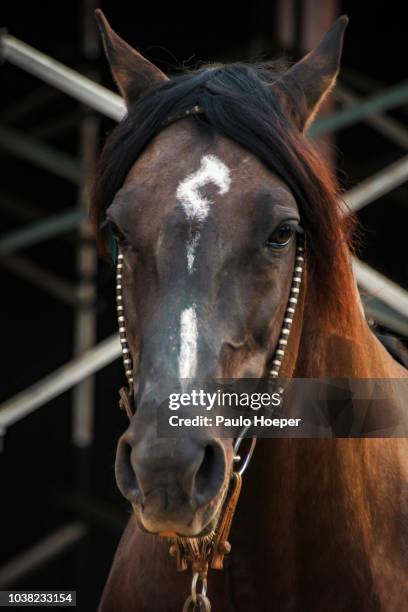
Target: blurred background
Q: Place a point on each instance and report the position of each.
(61, 515)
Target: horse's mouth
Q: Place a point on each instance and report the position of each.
(208, 530)
(205, 518)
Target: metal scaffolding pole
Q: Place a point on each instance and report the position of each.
(40, 277)
(388, 127)
(52, 128)
(384, 315)
(59, 381)
(85, 314)
(41, 553)
(83, 404)
(41, 230)
(378, 184)
(19, 208)
(374, 105)
(35, 99)
(40, 155)
(63, 78)
(381, 287)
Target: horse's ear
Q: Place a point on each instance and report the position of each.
(133, 73)
(304, 86)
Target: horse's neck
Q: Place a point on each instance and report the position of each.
(335, 355)
(326, 511)
(325, 506)
(323, 345)
(347, 351)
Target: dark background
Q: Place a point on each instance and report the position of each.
(45, 481)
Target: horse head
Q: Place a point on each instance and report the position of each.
(206, 187)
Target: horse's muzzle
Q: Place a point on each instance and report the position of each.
(174, 485)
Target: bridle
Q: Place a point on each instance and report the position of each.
(203, 552)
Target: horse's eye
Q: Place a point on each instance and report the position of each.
(281, 236)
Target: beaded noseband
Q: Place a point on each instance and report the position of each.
(209, 551)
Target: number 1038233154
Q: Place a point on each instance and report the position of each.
(37, 598)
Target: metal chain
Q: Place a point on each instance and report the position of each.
(202, 604)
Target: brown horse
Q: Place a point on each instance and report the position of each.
(206, 206)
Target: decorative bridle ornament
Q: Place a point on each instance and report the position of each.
(208, 551)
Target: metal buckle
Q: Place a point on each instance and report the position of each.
(247, 459)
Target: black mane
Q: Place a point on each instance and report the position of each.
(237, 102)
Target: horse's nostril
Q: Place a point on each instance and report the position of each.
(125, 474)
(210, 474)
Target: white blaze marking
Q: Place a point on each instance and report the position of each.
(191, 247)
(211, 170)
(195, 205)
(188, 343)
(196, 208)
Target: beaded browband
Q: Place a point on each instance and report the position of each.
(195, 110)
